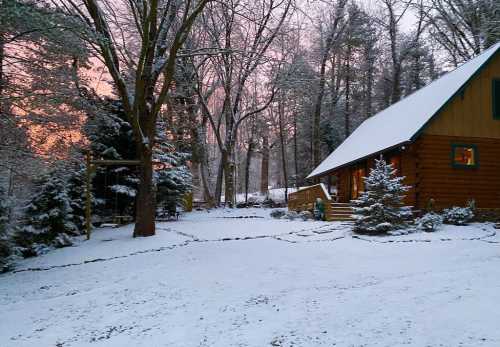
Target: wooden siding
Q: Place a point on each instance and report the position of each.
(451, 186)
(409, 171)
(470, 112)
(343, 185)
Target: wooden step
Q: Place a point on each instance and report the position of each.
(342, 210)
(337, 217)
(340, 204)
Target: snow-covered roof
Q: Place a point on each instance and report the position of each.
(400, 122)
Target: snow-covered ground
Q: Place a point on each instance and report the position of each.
(211, 279)
(275, 194)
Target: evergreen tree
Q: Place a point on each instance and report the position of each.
(76, 194)
(5, 246)
(48, 217)
(380, 207)
(175, 180)
(114, 187)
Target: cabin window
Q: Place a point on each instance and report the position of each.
(495, 97)
(464, 155)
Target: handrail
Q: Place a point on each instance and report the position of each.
(304, 198)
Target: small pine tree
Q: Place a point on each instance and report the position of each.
(380, 207)
(48, 216)
(76, 194)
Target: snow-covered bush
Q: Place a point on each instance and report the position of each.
(458, 215)
(290, 215)
(47, 216)
(306, 215)
(380, 207)
(429, 222)
(278, 213)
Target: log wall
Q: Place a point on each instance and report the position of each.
(452, 186)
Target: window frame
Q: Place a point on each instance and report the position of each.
(464, 166)
(495, 104)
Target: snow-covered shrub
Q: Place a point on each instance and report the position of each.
(458, 215)
(306, 215)
(278, 213)
(429, 222)
(380, 207)
(61, 241)
(47, 216)
(291, 215)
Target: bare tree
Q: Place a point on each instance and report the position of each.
(333, 34)
(248, 30)
(464, 28)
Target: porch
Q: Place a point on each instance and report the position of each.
(304, 199)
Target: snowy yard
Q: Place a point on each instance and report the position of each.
(214, 280)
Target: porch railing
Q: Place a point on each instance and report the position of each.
(304, 198)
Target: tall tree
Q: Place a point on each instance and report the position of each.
(247, 32)
(464, 28)
(333, 35)
(139, 42)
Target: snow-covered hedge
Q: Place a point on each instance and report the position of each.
(458, 215)
(429, 222)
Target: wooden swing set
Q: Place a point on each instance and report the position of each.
(92, 164)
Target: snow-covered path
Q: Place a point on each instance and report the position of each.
(214, 280)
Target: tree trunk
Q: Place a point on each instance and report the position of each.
(247, 167)
(264, 171)
(295, 152)
(218, 184)
(347, 113)
(207, 194)
(2, 77)
(146, 196)
(229, 197)
(283, 149)
(396, 83)
(316, 140)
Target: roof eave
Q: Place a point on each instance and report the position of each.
(352, 162)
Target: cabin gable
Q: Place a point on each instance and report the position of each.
(473, 112)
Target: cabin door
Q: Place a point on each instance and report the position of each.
(357, 182)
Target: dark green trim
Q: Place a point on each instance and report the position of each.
(474, 75)
(495, 99)
(461, 166)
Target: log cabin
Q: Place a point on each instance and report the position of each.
(444, 139)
